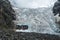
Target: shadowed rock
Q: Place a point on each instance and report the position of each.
(6, 15)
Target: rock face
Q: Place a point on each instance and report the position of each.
(27, 36)
(6, 15)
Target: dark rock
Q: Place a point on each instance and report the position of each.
(18, 27)
(6, 15)
(56, 8)
(29, 36)
(22, 27)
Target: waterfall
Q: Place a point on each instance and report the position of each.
(39, 20)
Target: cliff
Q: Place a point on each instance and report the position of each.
(6, 15)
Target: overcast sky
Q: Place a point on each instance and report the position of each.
(33, 3)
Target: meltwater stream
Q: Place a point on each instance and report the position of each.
(39, 20)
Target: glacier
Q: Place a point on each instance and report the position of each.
(39, 20)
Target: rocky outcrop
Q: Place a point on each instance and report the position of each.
(6, 15)
(27, 36)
